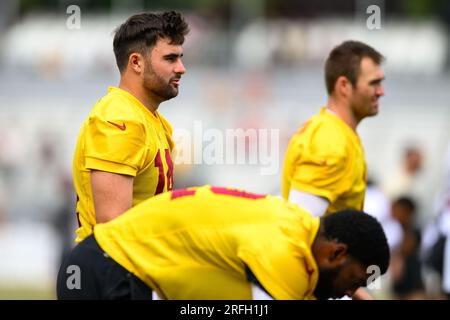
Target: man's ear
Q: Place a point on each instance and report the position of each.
(343, 86)
(338, 253)
(136, 62)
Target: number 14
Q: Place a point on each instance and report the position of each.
(161, 176)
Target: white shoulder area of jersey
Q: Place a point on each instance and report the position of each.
(260, 294)
(155, 296)
(314, 204)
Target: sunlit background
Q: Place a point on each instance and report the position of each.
(255, 65)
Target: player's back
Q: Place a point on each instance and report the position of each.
(208, 230)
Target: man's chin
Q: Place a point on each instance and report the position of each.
(170, 95)
(372, 113)
(375, 109)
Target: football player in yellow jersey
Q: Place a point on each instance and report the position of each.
(123, 153)
(324, 168)
(220, 243)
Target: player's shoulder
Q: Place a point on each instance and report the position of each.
(166, 124)
(321, 133)
(116, 105)
(328, 123)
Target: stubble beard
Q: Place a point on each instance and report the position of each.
(155, 84)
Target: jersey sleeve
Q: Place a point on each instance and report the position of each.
(321, 165)
(278, 270)
(115, 140)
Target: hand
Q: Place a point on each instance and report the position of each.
(362, 294)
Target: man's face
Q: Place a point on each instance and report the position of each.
(341, 280)
(163, 69)
(402, 214)
(413, 161)
(368, 89)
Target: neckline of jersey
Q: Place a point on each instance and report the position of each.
(327, 112)
(154, 116)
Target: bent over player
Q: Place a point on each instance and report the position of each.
(219, 243)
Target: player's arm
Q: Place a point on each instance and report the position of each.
(362, 294)
(112, 194)
(314, 204)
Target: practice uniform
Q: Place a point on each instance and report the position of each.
(200, 243)
(325, 158)
(121, 136)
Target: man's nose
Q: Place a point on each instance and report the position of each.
(180, 69)
(380, 91)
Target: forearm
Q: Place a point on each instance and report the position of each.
(362, 294)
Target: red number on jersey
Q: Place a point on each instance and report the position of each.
(161, 177)
(169, 170)
(161, 180)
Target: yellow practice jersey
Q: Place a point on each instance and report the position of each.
(326, 158)
(196, 244)
(121, 136)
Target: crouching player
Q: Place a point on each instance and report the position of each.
(219, 243)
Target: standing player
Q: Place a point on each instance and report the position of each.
(123, 150)
(220, 243)
(324, 169)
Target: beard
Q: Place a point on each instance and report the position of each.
(364, 107)
(325, 284)
(158, 86)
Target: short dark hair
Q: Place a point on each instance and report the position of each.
(406, 202)
(345, 60)
(363, 234)
(143, 30)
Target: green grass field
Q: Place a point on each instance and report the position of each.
(27, 293)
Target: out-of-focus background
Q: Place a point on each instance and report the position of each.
(254, 66)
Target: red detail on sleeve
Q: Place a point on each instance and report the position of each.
(237, 193)
(182, 193)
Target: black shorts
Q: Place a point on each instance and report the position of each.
(89, 273)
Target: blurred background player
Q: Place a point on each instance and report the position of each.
(123, 153)
(436, 243)
(220, 243)
(324, 169)
(408, 180)
(406, 266)
(404, 179)
(378, 205)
